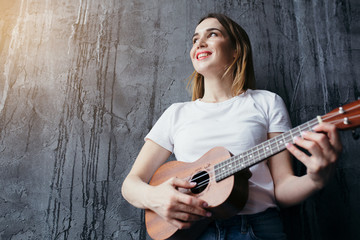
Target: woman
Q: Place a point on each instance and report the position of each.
(225, 111)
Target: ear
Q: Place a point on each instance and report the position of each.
(235, 53)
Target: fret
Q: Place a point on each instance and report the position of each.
(257, 153)
(276, 143)
(231, 168)
(281, 141)
(273, 145)
(302, 128)
(240, 162)
(297, 131)
(268, 150)
(291, 134)
(268, 147)
(288, 138)
(260, 152)
(229, 164)
(251, 156)
(236, 162)
(245, 158)
(217, 173)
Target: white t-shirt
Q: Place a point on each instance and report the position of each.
(191, 129)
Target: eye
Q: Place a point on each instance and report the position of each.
(213, 34)
(195, 40)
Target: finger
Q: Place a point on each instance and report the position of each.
(181, 183)
(311, 146)
(300, 155)
(186, 203)
(320, 139)
(186, 217)
(326, 150)
(332, 133)
(193, 205)
(179, 224)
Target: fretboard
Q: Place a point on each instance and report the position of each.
(260, 152)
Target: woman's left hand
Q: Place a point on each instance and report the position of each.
(324, 147)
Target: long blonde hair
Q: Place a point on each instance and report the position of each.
(242, 67)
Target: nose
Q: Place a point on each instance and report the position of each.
(201, 43)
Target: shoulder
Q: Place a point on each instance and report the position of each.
(264, 98)
(176, 108)
(180, 105)
(268, 102)
(261, 94)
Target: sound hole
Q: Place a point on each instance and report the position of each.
(202, 180)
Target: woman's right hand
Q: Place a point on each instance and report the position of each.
(170, 201)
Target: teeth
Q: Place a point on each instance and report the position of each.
(203, 55)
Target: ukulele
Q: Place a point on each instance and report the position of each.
(222, 179)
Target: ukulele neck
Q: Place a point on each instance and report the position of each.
(260, 152)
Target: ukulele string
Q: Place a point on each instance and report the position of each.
(247, 162)
(231, 159)
(205, 182)
(226, 172)
(342, 120)
(213, 177)
(328, 116)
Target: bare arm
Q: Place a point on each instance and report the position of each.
(178, 208)
(324, 147)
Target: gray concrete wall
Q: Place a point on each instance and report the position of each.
(82, 82)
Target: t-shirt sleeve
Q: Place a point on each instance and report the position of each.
(279, 120)
(161, 132)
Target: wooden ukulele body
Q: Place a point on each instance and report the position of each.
(225, 198)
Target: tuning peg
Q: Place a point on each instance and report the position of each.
(341, 110)
(355, 135)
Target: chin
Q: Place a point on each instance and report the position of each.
(208, 70)
(203, 68)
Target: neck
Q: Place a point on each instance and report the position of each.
(217, 89)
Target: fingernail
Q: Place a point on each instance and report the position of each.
(304, 133)
(315, 127)
(205, 205)
(208, 214)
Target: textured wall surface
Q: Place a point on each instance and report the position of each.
(82, 82)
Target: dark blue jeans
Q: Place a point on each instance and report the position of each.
(266, 225)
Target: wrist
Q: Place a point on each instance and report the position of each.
(147, 200)
(316, 183)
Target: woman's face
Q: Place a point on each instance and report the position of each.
(212, 52)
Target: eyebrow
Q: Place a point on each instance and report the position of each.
(208, 30)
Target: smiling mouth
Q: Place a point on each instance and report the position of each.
(203, 55)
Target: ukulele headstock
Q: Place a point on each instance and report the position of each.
(344, 117)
